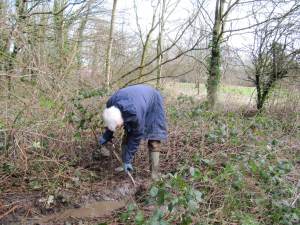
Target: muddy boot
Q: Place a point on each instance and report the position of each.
(154, 165)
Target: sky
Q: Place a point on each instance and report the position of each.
(126, 15)
(239, 40)
(145, 13)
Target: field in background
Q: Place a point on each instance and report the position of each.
(285, 99)
(235, 96)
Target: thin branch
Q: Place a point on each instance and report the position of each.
(170, 76)
(165, 50)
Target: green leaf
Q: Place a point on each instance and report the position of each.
(193, 205)
(195, 172)
(36, 144)
(8, 168)
(158, 215)
(249, 220)
(124, 216)
(154, 191)
(186, 220)
(161, 196)
(163, 223)
(208, 162)
(35, 185)
(178, 182)
(253, 166)
(77, 136)
(2, 124)
(172, 204)
(131, 207)
(198, 195)
(46, 102)
(139, 218)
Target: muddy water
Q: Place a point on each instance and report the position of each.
(93, 210)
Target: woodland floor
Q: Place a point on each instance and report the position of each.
(79, 181)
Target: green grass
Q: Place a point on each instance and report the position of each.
(240, 90)
(190, 89)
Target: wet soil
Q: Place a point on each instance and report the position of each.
(91, 211)
(20, 205)
(88, 202)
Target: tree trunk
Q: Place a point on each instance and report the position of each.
(145, 47)
(42, 34)
(12, 54)
(109, 46)
(146, 44)
(264, 88)
(159, 43)
(198, 86)
(143, 57)
(11, 48)
(259, 103)
(60, 33)
(214, 75)
(80, 31)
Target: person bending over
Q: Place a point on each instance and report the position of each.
(139, 110)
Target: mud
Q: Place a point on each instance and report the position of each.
(74, 198)
(93, 210)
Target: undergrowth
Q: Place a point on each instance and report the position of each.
(226, 167)
(245, 172)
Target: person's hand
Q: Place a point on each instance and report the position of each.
(102, 141)
(127, 167)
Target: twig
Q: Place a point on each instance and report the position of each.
(294, 202)
(9, 211)
(3, 178)
(128, 173)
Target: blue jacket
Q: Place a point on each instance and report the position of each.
(143, 114)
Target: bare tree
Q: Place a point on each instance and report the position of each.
(146, 41)
(274, 55)
(160, 41)
(222, 9)
(78, 46)
(110, 44)
(171, 47)
(213, 80)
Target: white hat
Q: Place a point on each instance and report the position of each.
(112, 117)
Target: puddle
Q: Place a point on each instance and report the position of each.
(93, 210)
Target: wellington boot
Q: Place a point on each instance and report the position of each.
(154, 165)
